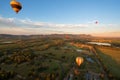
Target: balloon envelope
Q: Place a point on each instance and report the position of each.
(16, 6)
(79, 60)
(67, 37)
(96, 22)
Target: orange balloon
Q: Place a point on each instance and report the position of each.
(79, 60)
(67, 37)
(16, 6)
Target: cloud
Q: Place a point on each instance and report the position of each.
(27, 31)
(6, 22)
(27, 26)
(30, 23)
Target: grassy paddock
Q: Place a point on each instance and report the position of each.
(111, 59)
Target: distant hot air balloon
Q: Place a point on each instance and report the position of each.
(96, 22)
(79, 60)
(16, 5)
(67, 37)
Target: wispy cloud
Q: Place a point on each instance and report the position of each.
(27, 26)
(30, 23)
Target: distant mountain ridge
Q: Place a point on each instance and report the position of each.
(46, 35)
(72, 36)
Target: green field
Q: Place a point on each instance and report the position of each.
(111, 59)
(47, 59)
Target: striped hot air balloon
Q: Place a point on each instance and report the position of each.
(79, 60)
(16, 6)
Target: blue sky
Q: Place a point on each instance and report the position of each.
(61, 16)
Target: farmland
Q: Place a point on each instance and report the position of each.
(53, 58)
(111, 59)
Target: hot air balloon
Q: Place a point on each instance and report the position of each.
(96, 22)
(67, 37)
(79, 60)
(16, 6)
